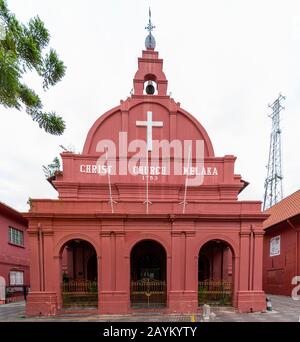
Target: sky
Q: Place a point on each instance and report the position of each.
(225, 61)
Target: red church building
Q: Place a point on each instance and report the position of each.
(282, 246)
(14, 253)
(146, 216)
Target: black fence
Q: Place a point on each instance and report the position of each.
(16, 292)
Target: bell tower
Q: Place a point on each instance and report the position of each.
(150, 79)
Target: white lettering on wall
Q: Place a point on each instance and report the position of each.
(97, 169)
(204, 171)
(152, 170)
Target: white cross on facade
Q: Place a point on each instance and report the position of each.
(149, 124)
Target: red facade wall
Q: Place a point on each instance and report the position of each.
(279, 270)
(83, 211)
(13, 257)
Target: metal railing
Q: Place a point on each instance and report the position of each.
(14, 292)
(148, 291)
(215, 292)
(147, 285)
(79, 286)
(80, 293)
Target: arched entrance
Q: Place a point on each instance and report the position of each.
(215, 273)
(79, 274)
(148, 274)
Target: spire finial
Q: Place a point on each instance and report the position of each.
(150, 41)
(150, 27)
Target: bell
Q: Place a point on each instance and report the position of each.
(150, 90)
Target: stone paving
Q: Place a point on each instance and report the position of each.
(285, 309)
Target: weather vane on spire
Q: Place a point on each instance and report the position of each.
(150, 41)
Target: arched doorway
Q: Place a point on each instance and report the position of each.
(79, 274)
(215, 273)
(148, 274)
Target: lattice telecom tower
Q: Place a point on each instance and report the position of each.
(273, 182)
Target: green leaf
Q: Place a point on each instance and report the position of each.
(39, 33)
(22, 50)
(29, 97)
(50, 122)
(52, 168)
(54, 69)
(29, 51)
(9, 80)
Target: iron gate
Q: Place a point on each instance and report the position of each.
(148, 292)
(215, 292)
(80, 293)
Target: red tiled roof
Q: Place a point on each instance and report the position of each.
(283, 210)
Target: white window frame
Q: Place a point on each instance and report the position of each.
(16, 236)
(16, 278)
(274, 243)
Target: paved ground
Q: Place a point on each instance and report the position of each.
(284, 310)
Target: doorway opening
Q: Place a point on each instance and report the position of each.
(79, 275)
(148, 285)
(215, 273)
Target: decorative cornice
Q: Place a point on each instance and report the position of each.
(110, 232)
(183, 231)
(176, 233)
(138, 216)
(32, 231)
(245, 234)
(258, 233)
(47, 232)
(105, 233)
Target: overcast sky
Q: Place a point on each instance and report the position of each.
(225, 61)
